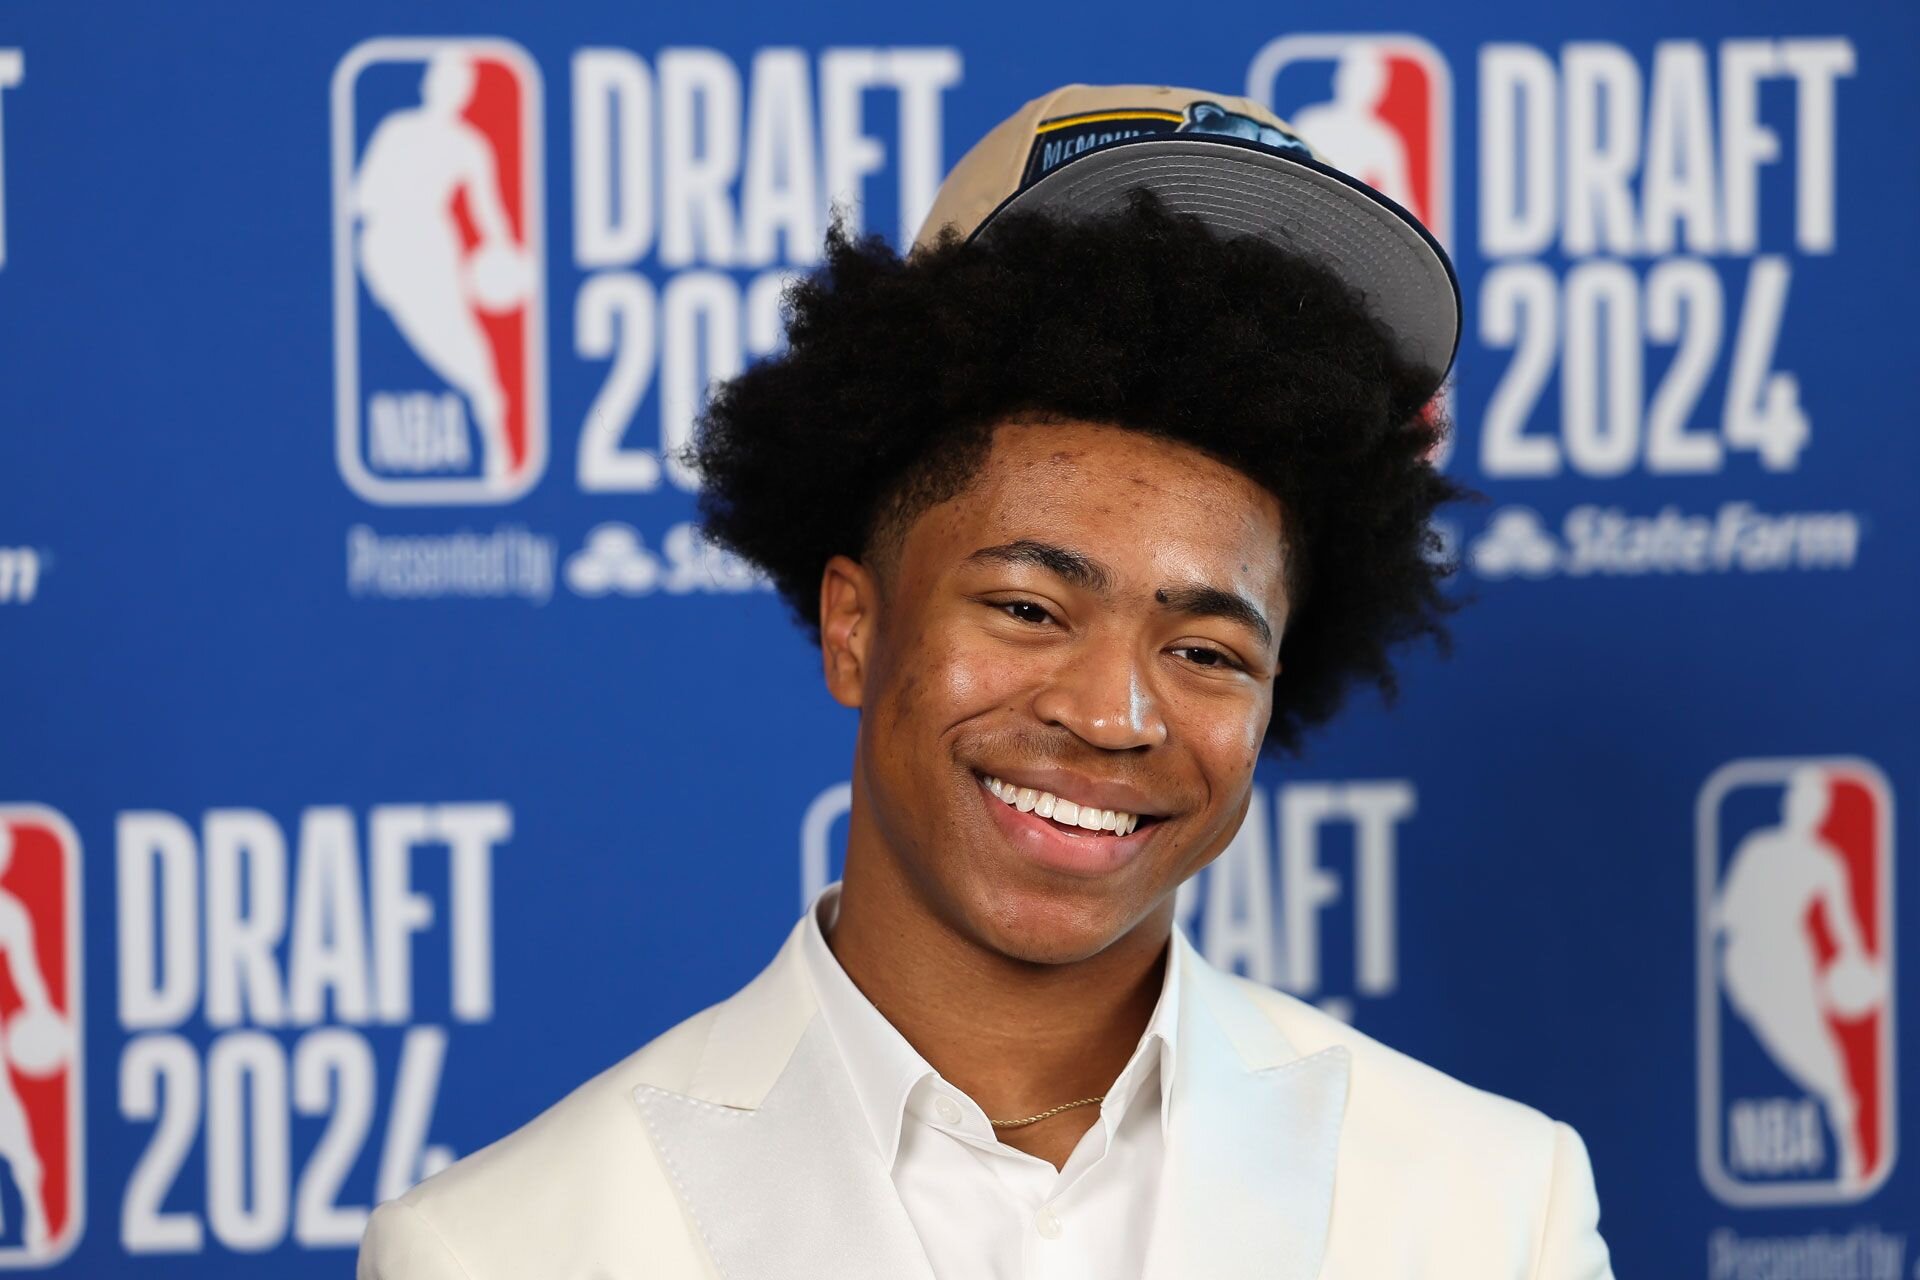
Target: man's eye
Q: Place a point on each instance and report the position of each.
(1201, 656)
(1027, 611)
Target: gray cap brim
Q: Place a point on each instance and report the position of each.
(1381, 250)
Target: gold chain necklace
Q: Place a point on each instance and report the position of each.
(1054, 1111)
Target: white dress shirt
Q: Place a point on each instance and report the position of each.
(985, 1210)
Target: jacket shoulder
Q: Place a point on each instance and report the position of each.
(1389, 1084)
(577, 1184)
(1516, 1182)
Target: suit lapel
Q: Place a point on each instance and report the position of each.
(1253, 1138)
(769, 1152)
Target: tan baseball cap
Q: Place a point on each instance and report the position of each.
(1228, 161)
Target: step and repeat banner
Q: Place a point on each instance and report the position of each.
(383, 751)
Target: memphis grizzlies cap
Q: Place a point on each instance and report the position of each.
(1231, 163)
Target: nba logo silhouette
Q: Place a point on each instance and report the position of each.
(1378, 107)
(1796, 981)
(439, 266)
(42, 1094)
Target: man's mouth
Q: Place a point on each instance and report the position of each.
(1062, 811)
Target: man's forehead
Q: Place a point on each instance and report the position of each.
(1022, 444)
(1150, 512)
(1118, 487)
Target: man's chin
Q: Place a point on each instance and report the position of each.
(1037, 925)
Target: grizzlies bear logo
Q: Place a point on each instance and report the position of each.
(1211, 117)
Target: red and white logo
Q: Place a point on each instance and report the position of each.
(1378, 107)
(439, 267)
(1796, 981)
(42, 1094)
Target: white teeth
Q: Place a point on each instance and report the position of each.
(1065, 812)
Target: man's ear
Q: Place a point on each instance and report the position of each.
(849, 616)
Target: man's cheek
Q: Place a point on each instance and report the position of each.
(1226, 731)
(939, 677)
(976, 674)
(1244, 716)
(1219, 833)
(1252, 730)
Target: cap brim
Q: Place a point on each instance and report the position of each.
(1240, 187)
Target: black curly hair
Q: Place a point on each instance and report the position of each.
(897, 370)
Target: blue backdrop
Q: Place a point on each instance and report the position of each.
(382, 752)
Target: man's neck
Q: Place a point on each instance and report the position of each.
(1015, 1036)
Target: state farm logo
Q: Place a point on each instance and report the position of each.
(1608, 541)
(1514, 545)
(1796, 967)
(42, 1097)
(616, 560)
(439, 266)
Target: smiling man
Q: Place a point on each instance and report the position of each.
(1117, 480)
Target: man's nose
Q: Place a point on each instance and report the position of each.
(1102, 694)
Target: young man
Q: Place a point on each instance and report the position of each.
(1119, 477)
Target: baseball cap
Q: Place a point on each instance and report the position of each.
(1228, 161)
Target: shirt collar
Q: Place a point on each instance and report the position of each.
(885, 1069)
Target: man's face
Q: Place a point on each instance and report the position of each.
(1096, 619)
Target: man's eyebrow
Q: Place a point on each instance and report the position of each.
(1076, 569)
(1212, 602)
(1090, 575)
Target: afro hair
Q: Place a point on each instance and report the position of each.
(897, 369)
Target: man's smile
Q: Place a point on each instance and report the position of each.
(1066, 813)
(1066, 834)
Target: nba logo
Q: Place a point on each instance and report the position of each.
(1796, 981)
(438, 268)
(41, 1091)
(1378, 108)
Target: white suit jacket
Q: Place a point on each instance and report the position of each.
(732, 1148)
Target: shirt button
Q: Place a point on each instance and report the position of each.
(1047, 1223)
(947, 1109)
